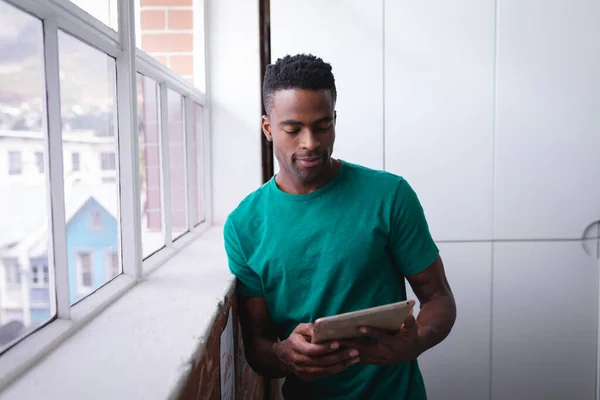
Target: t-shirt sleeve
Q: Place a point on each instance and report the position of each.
(411, 243)
(248, 281)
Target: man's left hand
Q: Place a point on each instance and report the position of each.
(390, 347)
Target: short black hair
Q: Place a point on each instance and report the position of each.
(301, 71)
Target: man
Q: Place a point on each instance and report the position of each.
(324, 237)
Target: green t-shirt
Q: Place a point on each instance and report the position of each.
(344, 247)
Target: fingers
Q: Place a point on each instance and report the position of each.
(301, 345)
(317, 372)
(373, 333)
(409, 324)
(339, 357)
(305, 329)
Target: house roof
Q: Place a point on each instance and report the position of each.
(23, 212)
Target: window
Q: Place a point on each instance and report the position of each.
(151, 192)
(24, 202)
(107, 161)
(39, 161)
(196, 175)
(85, 277)
(15, 164)
(106, 11)
(12, 272)
(198, 152)
(113, 266)
(96, 223)
(177, 160)
(174, 36)
(94, 126)
(75, 162)
(62, 107)
(39, 275)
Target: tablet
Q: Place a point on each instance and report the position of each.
(389, 317)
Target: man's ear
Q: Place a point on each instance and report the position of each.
(334, 117)
(266, 127)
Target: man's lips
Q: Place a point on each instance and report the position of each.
(309, 161)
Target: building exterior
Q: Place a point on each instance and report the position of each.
(171, 32)
(91, 209)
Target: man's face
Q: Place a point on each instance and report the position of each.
(301, 125)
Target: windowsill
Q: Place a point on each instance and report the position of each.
(141, 346)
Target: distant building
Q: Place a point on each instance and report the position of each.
(91, 209)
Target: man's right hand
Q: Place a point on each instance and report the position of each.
(313, 361)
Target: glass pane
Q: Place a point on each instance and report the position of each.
(153, 237)
(106, 11)
(192, 170)
(174, 36)
(25, 300)
(199, 151)
(177, 158)
(89, 130)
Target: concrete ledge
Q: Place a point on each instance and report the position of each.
(145, 344)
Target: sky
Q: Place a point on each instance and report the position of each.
(87, 75)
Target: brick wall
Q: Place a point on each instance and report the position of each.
(167, 30)
(167, 34)
(204, 381)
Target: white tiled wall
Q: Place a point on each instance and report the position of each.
(349, 35)
(490, 109)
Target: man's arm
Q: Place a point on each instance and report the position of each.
(260, 336)
(295, 355)
(436, 318)
(438, 309)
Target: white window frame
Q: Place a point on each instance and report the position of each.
(96, 220)
(12, 273)
(40, 276)
(108, 161)
(108, 260)
(15, 168)
(75, 155)
(39, 164)
(63, 15)
(82, 288)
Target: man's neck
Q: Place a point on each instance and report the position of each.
(290, 184)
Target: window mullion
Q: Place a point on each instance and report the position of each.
(207, 188)
(164, 163)
(192, 206)
(57, 221)
(129, 176)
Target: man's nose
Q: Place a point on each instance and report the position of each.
(310, 141)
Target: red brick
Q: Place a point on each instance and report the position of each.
(169, 42)
(180, 19)
(164, 60)
(152, 156)
(144, 3)
(183, 65)
(153, 19)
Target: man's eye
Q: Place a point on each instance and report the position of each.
(323, 128)
(291, 132)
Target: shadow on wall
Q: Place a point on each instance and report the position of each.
(236, 158)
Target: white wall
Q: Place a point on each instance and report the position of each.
(233, 85)
(348, 35)
(490, 109)
(439, 100)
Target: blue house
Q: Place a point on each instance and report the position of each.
(92, 248)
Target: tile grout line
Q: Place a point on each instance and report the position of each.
(383, 79)
(494, 138)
